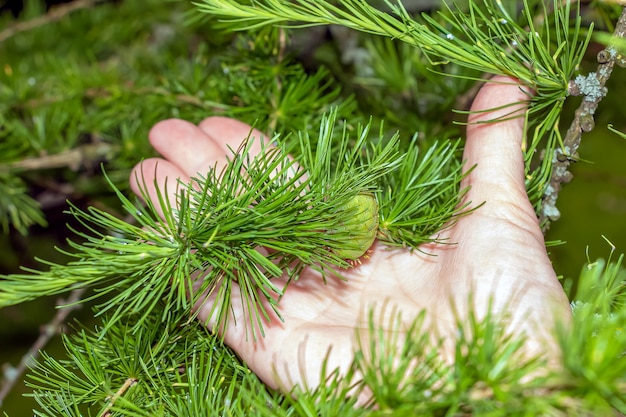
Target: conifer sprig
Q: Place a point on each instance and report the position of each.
(165, 369)
(415, 200)
(486, 38)
(207, 243)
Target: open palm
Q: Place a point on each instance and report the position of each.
(499, 255)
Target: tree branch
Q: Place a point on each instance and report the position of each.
(71, 158)
(56, 13)
(592, 87)
(127, 384)
(12, 374)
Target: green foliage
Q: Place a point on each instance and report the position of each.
(487, 38)
(169, 369)
(66, 106)
(107, 71)
(125, 372)
(414, 197)
(209, 236)
(16, 207)
(595, 354)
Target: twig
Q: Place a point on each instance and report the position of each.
(127, 384)
(12, 374)
(72, 158)
(56, 13)
(103, 93)
(592, 87)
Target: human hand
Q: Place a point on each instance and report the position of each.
(499, 255)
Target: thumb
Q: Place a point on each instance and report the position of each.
(494, 149)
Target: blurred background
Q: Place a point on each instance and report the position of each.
(81, 83)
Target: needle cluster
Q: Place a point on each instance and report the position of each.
(260, 218)
(489, 37)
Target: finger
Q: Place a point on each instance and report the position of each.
(230, 133)
(155, 176)
(495, 149)
(186, 146)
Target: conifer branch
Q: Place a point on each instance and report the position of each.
(485, 39)
(16, 207)
(592, 88)
(88, 154)
(183, 369)
(128, 383)
(48, 331)
(56, 13)
(268, 201)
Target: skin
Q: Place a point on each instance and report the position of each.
(499, 256)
